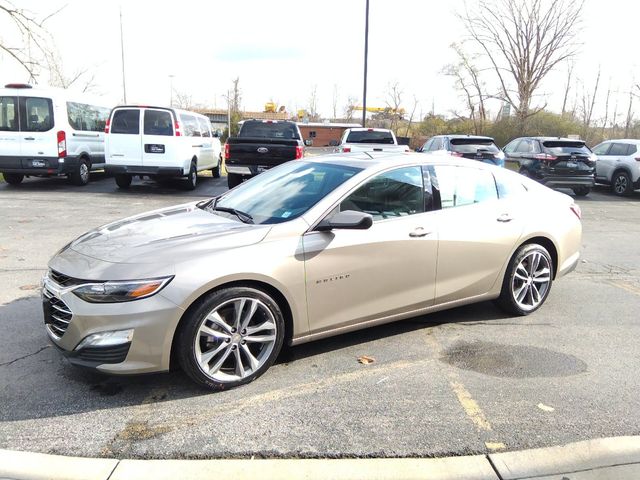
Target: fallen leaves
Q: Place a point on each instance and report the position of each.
(365, 360)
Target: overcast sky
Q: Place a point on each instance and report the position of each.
(281, 49)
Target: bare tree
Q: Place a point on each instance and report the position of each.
(29, 34)
(83, 78)
(235, 96)
(335, 101)
(182, 100)
(413, 112)
(523, 41)
(629, 120)
(588, 103)
(313, 104)
(606, 111)
(350, 107)
(394, 102)
(567, 87)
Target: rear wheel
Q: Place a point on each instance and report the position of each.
(215, 171)
(233, 180)
(581, 191)
(80, 175)
(192, 178)
(231, 338)
(621, 184)
(527, 281)
(123, 180)
(13, 178)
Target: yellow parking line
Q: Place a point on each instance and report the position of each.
(471, 407)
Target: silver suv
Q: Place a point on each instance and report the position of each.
(618, 165)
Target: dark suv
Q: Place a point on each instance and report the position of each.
(474, 147)
(554, 162)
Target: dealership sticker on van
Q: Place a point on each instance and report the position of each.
(154, 148)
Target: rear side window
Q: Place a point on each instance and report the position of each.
(269, 130)
(437, 144)
(126, 122)
(618, 149)
(601, 149)
(190, 124)
(88, 118)
(158, 122)
(632, 149)
(470, 145)
(366, 136)
(460, 186)
(204, 127)
(528, 146)
(509, 187)
(8, 114)
(559, 147)
(38, 114)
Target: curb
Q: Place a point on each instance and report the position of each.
(615, 458)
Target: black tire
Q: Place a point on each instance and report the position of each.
(123, 180)
(581, 191)
(188, 334)
(215, 171)
(506, 300)
(82, 173)
(13, 178)
(621, 183)
(233, 180)
(192, 177)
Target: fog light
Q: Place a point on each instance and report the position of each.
(106, 339)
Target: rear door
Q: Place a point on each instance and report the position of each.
(10, 138)
(572, 157)
(158, 145)
(206, 152)
(124, 142)
(39, 139)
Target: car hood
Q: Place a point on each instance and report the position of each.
(166, 236)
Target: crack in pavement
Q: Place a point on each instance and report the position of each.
(5, 364)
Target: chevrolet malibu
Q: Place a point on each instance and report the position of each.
(307, 250)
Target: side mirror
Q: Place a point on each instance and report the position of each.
(308, 142)
(347, 220)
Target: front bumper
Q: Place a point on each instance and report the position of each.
(38, 166)
(152, 319)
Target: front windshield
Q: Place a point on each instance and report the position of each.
(285, 192)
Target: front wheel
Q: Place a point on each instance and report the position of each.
(192, 177)
(231, 338)
(123, 180)
(215, 171)
(581, 191)
(527, 281)
(621, 184)
(13, 178)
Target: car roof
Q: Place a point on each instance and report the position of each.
(472, 137)
(366, 129)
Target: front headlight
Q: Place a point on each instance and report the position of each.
(125, 291)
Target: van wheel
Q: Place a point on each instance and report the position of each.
(13, 178)
(215, 171)
(233, 180)
(81, 174)
(123, 180)
(192, 178)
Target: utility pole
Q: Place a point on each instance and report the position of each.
(124, 85)
(366, 54)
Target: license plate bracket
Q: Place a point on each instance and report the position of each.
(38, 163)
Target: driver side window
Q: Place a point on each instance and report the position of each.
(397, 193)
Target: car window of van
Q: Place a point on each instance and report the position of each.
(158, 122)
(8, 114)
(38, 114)
(88, 118)
(191, 128)
(204, 127)
(126, 121)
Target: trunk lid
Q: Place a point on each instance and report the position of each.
(569, 158)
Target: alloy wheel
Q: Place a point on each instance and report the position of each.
(531, 280)
(620, 185)
(235, 339)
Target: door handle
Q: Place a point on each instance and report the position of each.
(197, 146)
(29, 138)
(419, 232)
(504, 218)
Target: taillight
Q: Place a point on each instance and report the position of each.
(575, 208)
(178, 129)
(637, 159)
(346, 149)
(227, 153)
(107, 125)
(299, 152)
(62, 144)
(545, 156)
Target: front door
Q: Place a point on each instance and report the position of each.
(357, 275)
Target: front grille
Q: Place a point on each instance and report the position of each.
(64, 280)
(57, 314)
(99, 355)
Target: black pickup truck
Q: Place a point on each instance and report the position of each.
(260, 145)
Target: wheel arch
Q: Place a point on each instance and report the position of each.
(268, 288)
(548, 244)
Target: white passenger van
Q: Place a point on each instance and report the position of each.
(160, 142)
(50, 131)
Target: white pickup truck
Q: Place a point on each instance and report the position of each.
(370, 140)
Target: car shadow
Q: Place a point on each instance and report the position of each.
(37, 382)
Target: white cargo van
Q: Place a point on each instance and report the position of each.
(160, 142)
(50, 131)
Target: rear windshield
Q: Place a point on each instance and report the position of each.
(8, 114)
(367, 136)
(158, 122)
(472, 145)
(126, 121)
(269, 130)
(557, 147)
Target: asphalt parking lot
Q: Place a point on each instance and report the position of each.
(469, 380)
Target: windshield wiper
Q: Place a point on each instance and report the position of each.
(244, 217)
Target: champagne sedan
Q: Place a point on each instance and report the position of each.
(307, 250)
